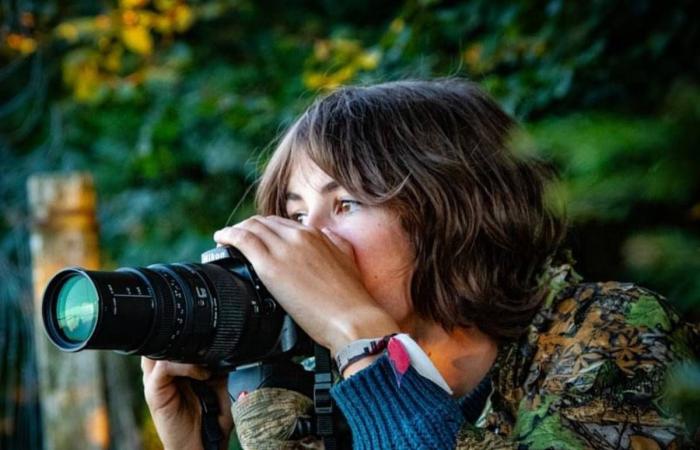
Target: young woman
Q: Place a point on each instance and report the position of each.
(401, 209)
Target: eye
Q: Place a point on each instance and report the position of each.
(297, 216)
(346, 206)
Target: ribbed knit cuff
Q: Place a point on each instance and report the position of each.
(417, 415)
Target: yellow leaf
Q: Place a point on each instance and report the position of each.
(129, 4)
(397, 25)
(322, 49)
(343, 75)
(346, 46)
(472, 55)
(163, 24)
(103, 43)
(130, 18)
(138, 39)
(164, 5)
(68, 31)
(87, 83)
(27, 46)
(184, 16)
(113, 61)
(314, 80)
(368, 60)
(20, 43)
(103, 22)
(146, 18)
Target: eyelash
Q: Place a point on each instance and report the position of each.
(337, 209)
(344, 202)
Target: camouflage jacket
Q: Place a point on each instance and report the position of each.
(589, 373)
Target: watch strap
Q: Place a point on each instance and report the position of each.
(361, 348)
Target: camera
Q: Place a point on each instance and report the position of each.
(216, 312)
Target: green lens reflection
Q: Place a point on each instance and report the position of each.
(77, 309)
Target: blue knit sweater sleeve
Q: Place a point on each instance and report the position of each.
(418, 414)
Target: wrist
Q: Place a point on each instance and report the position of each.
(358, 351)
(364, 325)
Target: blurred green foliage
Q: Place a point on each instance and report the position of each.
(172, 104)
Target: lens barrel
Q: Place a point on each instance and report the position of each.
(190, 312)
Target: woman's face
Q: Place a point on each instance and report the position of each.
(382, 250)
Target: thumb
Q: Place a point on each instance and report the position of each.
(340, 242)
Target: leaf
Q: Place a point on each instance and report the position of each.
(541, 429)
(137, 38)
(647, 312)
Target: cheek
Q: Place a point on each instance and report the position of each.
(377, 250)
(383, 257)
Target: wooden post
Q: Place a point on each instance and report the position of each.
(64, 233)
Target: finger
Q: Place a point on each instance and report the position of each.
(290, 230)
(262, 228)
(147, 365)
(285, 221)
(166, 382)
(164, 371)
(244, 240)
(340, 242)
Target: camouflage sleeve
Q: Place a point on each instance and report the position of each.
(265, 419)
(597, 377)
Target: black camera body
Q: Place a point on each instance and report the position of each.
(215, 313)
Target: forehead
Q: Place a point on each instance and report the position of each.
(305, 175)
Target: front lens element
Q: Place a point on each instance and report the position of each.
(77, 309)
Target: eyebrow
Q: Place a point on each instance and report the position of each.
(327, 188)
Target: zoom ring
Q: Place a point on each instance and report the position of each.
(233, 307)
(164, 316)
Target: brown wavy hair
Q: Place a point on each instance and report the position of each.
(438, 153)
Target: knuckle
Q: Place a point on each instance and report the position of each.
(250, 221)
(272, 271)
(223, 234)
(256, 222)
(244, 237)
(299, 236)
(308, 235)
(314, 232)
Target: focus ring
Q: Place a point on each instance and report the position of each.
(233, 305)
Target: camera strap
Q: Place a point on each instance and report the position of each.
(209, 404)
(323, 402)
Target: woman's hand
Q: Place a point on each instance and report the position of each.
(175, 408)
(313, 275)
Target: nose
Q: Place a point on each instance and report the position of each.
(318, 219)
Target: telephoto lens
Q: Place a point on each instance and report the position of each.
(216, 312)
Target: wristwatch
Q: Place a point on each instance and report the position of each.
(356, 350)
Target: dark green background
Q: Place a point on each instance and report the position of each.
(608, 90)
